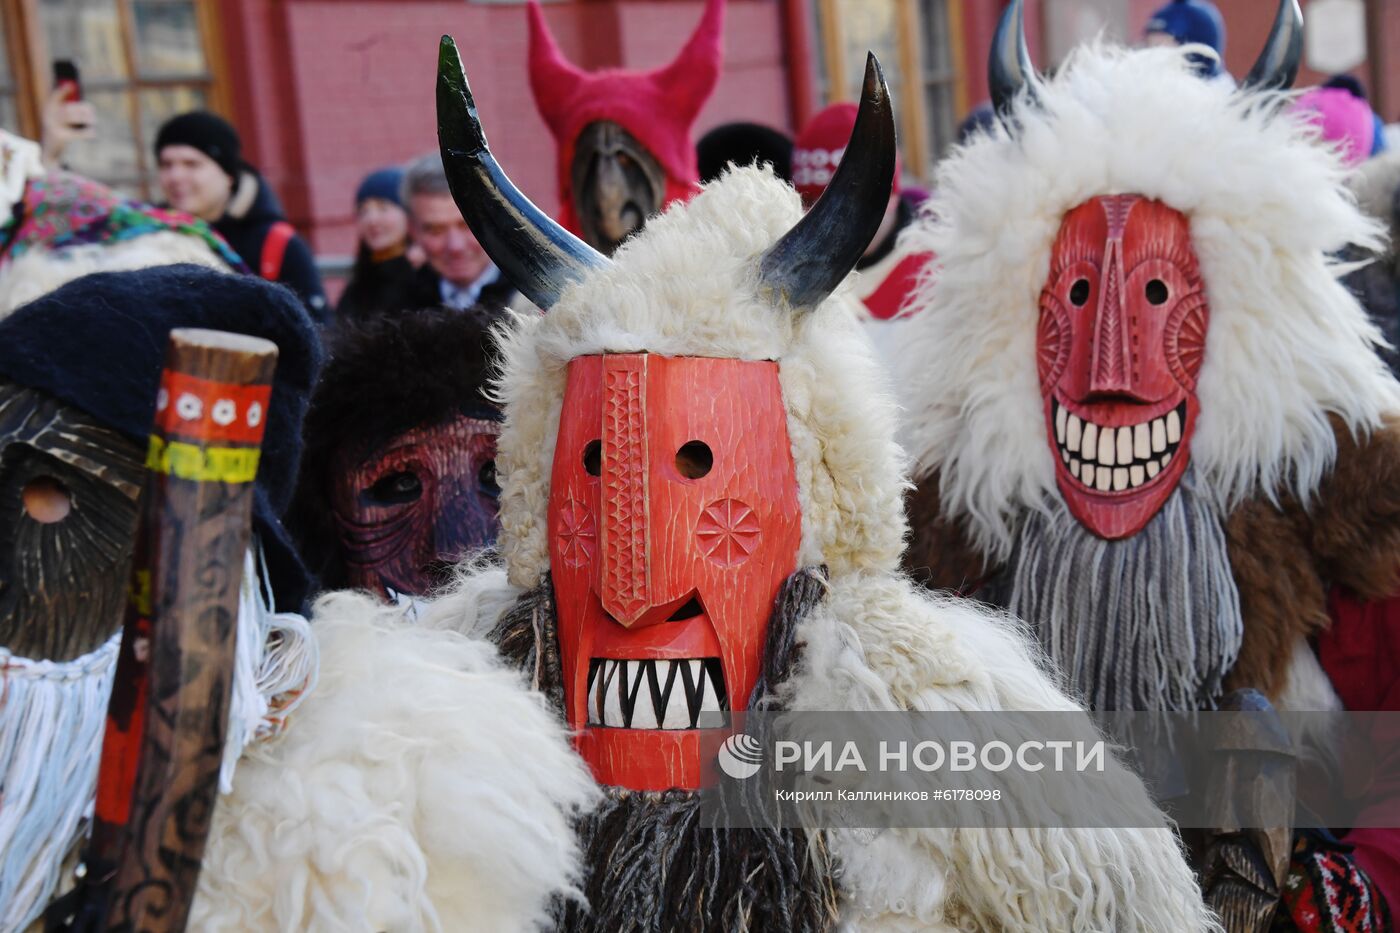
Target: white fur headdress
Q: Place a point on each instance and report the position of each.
(1287, 345)
(688, 287)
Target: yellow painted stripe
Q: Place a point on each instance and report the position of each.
(203, 464)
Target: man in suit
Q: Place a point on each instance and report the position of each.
(458, 273)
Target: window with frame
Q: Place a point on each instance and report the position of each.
(914, 42)
(141, 62)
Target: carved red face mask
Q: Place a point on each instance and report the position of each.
(409, 509)
(1122, 335)
(673, 521)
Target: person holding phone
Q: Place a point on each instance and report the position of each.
(202, 172)
(66, 117)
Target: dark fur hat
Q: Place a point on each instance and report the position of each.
(98, 343)
(384, 376)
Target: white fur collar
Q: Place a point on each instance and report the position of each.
(1287, 344)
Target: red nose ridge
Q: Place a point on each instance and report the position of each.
(625, 542)
(1110, 372)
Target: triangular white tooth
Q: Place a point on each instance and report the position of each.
(1159, 435)
(1072, 433)
(612, 698)
(1089, 448)
(1064, 455)
(1165, 460)
(1060, 417)
(711, 716)
(1136, 475)
(1074, 468)
(1173, 427)
(1103, 479)
(594, 719)
(1142, 442)
(677, 713)
(1106, 447)
(1088, 477)
(1120, 479)
(1153, 468)
(1125, 446)
(643, 715)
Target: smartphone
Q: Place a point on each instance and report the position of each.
(65, 78)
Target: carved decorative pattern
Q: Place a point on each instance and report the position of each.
(1108, 363)
(1052, 343)
(1186, 339)
(625, 491)
(728, 532)
(578, 533)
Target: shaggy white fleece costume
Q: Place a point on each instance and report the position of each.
(1287, 345)
(420, 786)
(686, 287)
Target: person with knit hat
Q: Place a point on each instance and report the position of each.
(56, 226)
(1191, 22)
(888, 270)
(383, 273)
(202, 172)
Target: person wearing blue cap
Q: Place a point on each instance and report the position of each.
(1191, 22)
(383, 274)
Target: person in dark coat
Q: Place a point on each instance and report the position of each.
(383, 275)
(202, 172)
(458, 274)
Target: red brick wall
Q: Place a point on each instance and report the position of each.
(327, 90)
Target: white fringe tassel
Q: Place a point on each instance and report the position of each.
(275, 666)
(52, 717)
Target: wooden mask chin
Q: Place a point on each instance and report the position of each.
(673, 522)
(617, 184)
(405, 511)
(70, 493)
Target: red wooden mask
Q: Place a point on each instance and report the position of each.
(1122, 334)
(409, 509)
(673, 521)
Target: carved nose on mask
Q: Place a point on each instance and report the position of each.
(625, 540)
(1111, 371)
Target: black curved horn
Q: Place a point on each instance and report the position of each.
(538, 256)
(822, 248)
(1277, 66)
(1009, 67)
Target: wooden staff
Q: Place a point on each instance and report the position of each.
(168, 715)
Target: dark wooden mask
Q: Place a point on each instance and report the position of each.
(617, 184)
(70, 493)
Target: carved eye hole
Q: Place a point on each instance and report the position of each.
(593, 458)
(396, 489)
(1157, 292)
(694, 459)
(487, 478)
(1079, 292)
(46, 500)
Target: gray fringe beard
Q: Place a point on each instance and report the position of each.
(651, 866)
(1150, 622)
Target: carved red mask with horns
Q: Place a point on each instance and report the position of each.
(673, 522)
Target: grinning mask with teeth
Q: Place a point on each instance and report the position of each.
(681, 478)
(1122, 334)
(673, 521)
